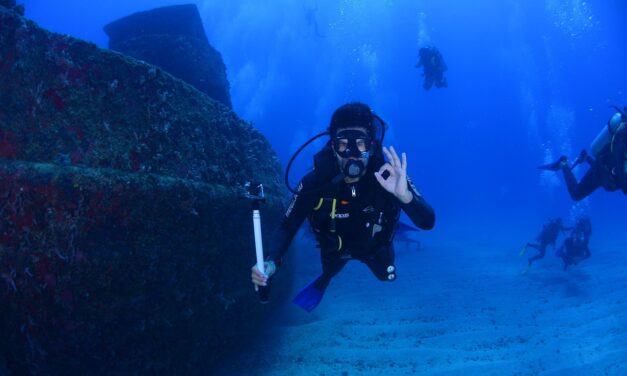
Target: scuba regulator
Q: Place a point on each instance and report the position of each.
(353, 146)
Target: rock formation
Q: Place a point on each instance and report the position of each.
(174, 39)
(125, 241)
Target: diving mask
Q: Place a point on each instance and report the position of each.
(352, 143)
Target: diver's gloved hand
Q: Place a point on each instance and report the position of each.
(260, 279)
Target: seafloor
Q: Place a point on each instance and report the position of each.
(459, 308)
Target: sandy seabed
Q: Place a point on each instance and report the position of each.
(455, 309)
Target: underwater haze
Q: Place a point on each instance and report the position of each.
(528, 81)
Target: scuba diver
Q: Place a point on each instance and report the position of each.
(548, 236)
(311, 20)
(608, 168)
(575, 248)
(352, 199)
(433, 67)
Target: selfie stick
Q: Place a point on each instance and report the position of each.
(258, 198)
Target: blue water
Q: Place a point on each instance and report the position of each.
(528, 82)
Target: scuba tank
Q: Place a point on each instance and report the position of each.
(611, 144)
(605, 137)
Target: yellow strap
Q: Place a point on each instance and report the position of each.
(332, 228)
(319, 204)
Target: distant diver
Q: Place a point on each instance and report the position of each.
(312, 21)
(433, 67)
(608, 168)
(548, 236)
(353, 198)
(576, 247)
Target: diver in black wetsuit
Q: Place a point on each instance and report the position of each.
(575, 248)
(547, 236)
(433, 67)
(607, 170)
(310, 17)
(353, 200)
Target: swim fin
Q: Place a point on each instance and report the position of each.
(310, 296)
(554, 166)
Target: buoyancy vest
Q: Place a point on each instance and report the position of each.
(355, 219)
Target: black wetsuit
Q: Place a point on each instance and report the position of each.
(433, 67)
(361, 210)
(598, 175)
(574, 250)
(547, 237)
(607, 171)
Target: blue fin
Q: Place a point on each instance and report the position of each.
(402, 227)
(309, 297)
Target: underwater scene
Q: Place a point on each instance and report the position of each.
(313, 187)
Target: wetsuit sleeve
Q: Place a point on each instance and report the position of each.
(418, 210)
(296, 213)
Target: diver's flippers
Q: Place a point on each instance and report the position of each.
(309, 297)
(553, 166)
